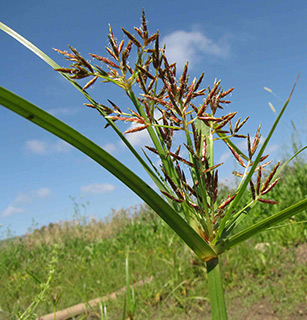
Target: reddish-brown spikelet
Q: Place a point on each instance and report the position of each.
(206, 102)
(227, 201)
(259, 180)
(105, 60)
(161, 101)
(225, 93)
(269, 178)
(236, 156)
(252, 189)
(111, 53)
(126, 52)
(152, 149)
(146, 72)
(144, 25)
(151, 39)
(177, 157)
(64, 70)
(270, 187)
(263, 158)
(140, 33)
(115, 106)
(267, 201)
(121, 45)
(81, 59)
(172, 197)
(136, 129)
(256, 140)
(238, 125)
(90, 83)
(64, 52)
(213, 167)
(249, 146)
(132, 38)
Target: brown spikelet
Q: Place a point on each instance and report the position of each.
(213, 167)
(105, 60)
(239, 159)
(270, 187)
(239, 125)
(90, 83)
(225, 93)
(144, 25)
(172, 197)
(152, 149)
(140, 33)
(263, 158)
(238, 174)
(64, 70)
(126, 52)
(259, 180)
(267, 201)
(147, 73)
(206, 102)
(252, 189)
(64, 53)
(81, 59)
(227, 201)
(256, 140)
(269, 178)
(151, 39)
(136, 129)
(111, 53)
(177, 157)
(115, 106)
(132, 38)
(121, 45)
(161, 101)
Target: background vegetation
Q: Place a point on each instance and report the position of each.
(264, 278)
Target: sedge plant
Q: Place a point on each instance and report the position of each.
(169, 106)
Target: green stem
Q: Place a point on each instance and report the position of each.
(216, 292)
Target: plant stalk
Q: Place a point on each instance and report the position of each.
(216, 292)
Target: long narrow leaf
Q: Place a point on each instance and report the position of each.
(261, 226)
(115, 167)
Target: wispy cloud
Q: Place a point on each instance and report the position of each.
(42, 147)
(97, 188)
(10, 210)
(139, 138)
(183, 46)
(62, 111)
(224, 157)
(25, 198)
(110, 147)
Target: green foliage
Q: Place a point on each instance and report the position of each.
(192, 206)
(271, 265)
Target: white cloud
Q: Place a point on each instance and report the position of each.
(61, 147)
(42, 192)
(42, 147)
(24, 198)
(139, 138)
(97, 188)
(224, 157)
(36, 146)
(183, 46)
(62, 111)
(110, 147)
(10, 210)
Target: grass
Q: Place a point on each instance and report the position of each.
(263, 276)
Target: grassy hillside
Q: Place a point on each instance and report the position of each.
(263, 278)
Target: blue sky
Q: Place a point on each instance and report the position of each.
(249, 45)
